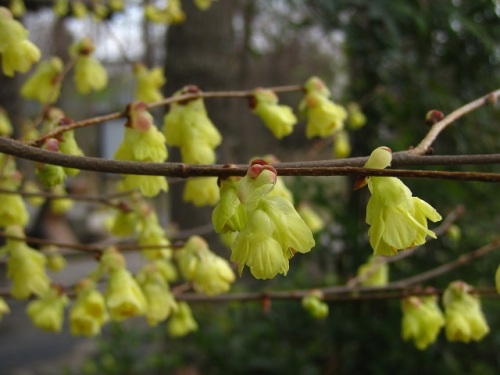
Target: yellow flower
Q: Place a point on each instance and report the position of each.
(324, 117)
(47, 312)
(187, 126)
(150, 186)
(310, 217)
(13, 210)
(201, 191)
(203, 4)
(88, 313)
(210, 273)
(160, 301)
(182, 322)
(61, 7)
(79, 9)
(172, 14)
(397, 220)
(149, 83)
(61, 205)
(152, 234)
(89, 72)
(341, 144)
(278, 118)
(375, 272)
(44, 85)
(25, 267)
(464, 318)
(19, 57)
(274, 231)
(17, 7)
(124, 297)
(422, 320)
(18, 53)
(356, 118)
(4, 308)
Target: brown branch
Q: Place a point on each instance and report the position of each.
(438, 127)
(14, 148)
(95, 249)
(447, 267)
(160, 103)
(356, 295)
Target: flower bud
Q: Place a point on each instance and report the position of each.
(182, 322)
(341, 145)
(314, 305)
(433, 116)
(356, 119)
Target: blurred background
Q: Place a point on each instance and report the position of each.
(396, 61)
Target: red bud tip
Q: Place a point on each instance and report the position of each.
(433, 116)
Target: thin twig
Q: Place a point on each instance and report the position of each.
(160, 103)
(447, 267)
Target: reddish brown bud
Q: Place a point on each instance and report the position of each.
(433, 116)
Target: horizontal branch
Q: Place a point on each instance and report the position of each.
(359, 294)
(11, 147)
(173, 99)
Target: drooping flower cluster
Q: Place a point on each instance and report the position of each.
(324, 117)
(278, 118)
(17, 52)
(47, 311)
(123, 295)
(88, 313)
(270, 231)
(161, 302)
(25, 266)
(209, 273)
(90, 75)
(397, 220)
(422, 320)
(188, 127)
(464, 318)
(142, 142)
(45, 83)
